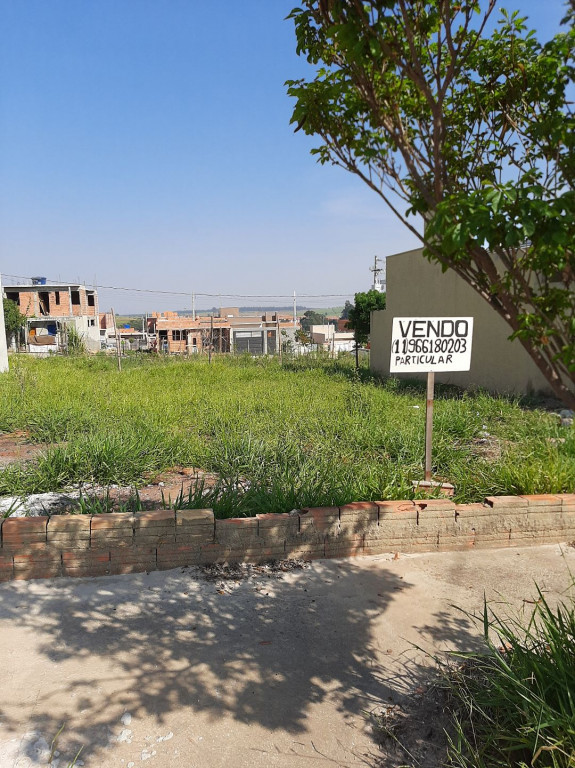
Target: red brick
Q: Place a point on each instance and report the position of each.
(118, 521)
(235, 532)
(271, 519)
(394, 527)
(85, 558)
(90, 563)
(338, 548)
(160, 518)
(391, 509)
(318, 521)
(469, 511)
(358, 517)
(259, 555)
(177, 556)
(367, 507)
(6, 567)
(189, 539)
(65, 541)
(305, 551)
(154, 537)
(492, 543)
(118, 568)
(505, 502)
(66, 530)
(146, 556)
(36, 566)
(24, 547)
(22, 530)
(213, 553)
(194, 517)
(37, 556)
(455, 544)
(86, 571)
(429, 506)
(6, 576)
(103, 539)
(79, 524)
(274, 525)
(542, 500)
(426, 486)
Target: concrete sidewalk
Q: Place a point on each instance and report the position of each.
(169, 669)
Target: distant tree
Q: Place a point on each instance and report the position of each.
(311, 317)
(302, 337)
(345, 311)
(136, 322)
(359, 318)
(13, 319)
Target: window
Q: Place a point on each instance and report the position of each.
(13, 296)
(57, 297)
(91, 300)
(176, 335)
(75, 297)
(44, 302)
(92, 322)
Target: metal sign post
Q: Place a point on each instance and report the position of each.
(429, 423)
(429, 345)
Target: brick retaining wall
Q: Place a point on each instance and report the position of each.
(83, 545)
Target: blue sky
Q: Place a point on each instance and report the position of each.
(147, 143)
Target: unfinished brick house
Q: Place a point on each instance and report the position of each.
(228, 331)
(52, 310)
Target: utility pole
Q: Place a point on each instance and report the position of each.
(378, 285)
(294, 311)
(118, 342)
(211, 337)
(279, 338)
(4, 367)
(193, 306)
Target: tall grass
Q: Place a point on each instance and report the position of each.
(515, 702)
(309, 432)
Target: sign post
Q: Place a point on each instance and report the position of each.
(430, 345)
(429, 423)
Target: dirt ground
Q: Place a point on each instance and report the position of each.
(254, 667)
(16, 447)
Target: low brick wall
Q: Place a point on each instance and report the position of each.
(82, 545)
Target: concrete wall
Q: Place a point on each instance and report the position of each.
(84, 545)
(417, 288)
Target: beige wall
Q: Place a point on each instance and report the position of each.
(417, 288)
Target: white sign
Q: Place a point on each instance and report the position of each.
(422, 344)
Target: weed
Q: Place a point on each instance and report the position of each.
(312, 431)
(514, 703)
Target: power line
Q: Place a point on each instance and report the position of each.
(197, 293)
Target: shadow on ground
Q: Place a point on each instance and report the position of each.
(260, 651)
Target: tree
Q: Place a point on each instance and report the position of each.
(302, 337)
(13, 319)
(360, 314)
(345, 311)
(472, 132)
(311, 317)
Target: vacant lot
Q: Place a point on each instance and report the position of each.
(306, 433)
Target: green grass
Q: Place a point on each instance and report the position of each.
(514, 703)
(309, 432)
